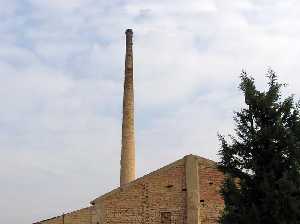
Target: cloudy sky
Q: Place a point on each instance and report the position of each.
(61, 75)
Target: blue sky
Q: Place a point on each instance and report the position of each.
(61, 75)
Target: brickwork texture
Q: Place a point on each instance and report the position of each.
(159, 197)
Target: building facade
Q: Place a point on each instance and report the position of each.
(183, 192)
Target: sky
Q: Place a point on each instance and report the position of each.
(62, 72)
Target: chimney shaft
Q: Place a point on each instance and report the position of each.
(127, 173)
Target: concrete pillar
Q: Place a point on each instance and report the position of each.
(192, 185)
(99, 210)
(127, 173)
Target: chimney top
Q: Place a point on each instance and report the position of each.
(129, 31)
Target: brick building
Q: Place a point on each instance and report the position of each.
(183, 192)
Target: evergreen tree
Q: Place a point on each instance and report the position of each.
(262, 159)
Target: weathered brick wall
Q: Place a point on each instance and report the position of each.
(143, 200)
(82, 216)
(56, 220)
(161, 195)
(210, 182)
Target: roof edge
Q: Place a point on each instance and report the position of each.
(166, 167)
(59, 216)
(199, 158)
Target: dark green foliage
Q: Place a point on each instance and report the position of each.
(264, 155)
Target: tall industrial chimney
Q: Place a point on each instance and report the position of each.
(127, 173)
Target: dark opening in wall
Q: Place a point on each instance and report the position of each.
(165, 217)
(210, 183)
(169, 186)
(183, 189)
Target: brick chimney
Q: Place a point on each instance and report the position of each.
(127, 172)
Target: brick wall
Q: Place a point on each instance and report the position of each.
(210, 182)
(82, 216)
(56, 220)
(156, 197)
(143, 200)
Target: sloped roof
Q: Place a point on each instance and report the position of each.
(202, 160)
(61, 216)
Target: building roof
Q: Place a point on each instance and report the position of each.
(61, 216)
(177, 162)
